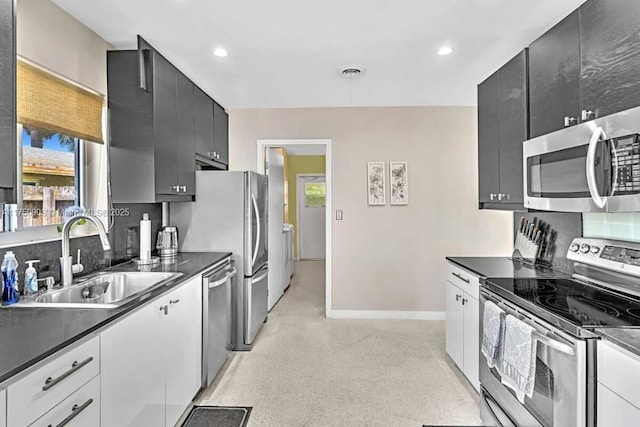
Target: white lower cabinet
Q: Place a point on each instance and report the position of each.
(613, 410)
(462, 335)
(618, 402)
(3, 408)
(81, 409)
(151, 360)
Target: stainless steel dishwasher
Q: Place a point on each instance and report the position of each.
(217, 318)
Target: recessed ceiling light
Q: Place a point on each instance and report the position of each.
(351, 71)
(220, 52)
(445, 50)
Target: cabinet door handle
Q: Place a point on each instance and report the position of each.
(464, 300)
(174, 301)
(492, 196)
(176, 188)
(570, 121)
(587, 115)
(503, 196)
(51, 382)
(144, 69)
(75, 411)
(165, 308)
(183, 188)
(459, 276)
(457, 297)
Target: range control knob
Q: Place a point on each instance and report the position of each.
(595, 249)
(585, 248)
(574, 247)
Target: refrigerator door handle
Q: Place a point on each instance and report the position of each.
(258, 237)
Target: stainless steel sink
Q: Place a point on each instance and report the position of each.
(104, 290)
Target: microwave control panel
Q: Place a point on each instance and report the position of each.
(627, 149)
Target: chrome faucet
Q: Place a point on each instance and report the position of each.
(66, 262)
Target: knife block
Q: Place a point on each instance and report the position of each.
(525, 249)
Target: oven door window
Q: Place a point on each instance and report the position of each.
(563, 173)
(541, 404)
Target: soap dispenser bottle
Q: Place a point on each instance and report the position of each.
(31, 279)
(9, 268)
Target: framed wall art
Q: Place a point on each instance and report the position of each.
(376, 189)
(399, 182)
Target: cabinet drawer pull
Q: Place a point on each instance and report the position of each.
(464, 279)
(75, 411)
(174, 301)
(50, 382)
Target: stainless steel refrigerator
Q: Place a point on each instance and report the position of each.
(230, 215)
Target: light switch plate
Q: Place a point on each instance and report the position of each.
(339, 215)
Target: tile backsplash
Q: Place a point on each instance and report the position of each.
(616, 226)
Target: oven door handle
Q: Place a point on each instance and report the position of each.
(597, 136)
(542, 337)
(554, 344)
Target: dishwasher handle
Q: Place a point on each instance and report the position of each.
(215, 283)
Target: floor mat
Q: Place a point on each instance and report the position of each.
(218, 416)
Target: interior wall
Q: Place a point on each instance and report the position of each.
(296, 165)
(391, 258)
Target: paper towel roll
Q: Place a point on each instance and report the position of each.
(145, 238)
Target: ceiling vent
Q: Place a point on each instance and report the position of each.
(351, 71)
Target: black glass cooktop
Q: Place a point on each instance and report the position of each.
(583, 305)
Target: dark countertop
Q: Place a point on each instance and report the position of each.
(30, 334)
(627, 338)
(502, 267)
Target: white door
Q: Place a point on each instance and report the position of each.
(311, 231)
(471, 336)
(275, 170)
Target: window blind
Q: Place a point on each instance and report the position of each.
(48, 102)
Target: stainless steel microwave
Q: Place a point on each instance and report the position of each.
(590, 167)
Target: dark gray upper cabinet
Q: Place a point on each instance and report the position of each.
(610, 56)
(203, 123)
(488, 140)
(7, 102)
(186, 134)
(151, 118)
(513, 127)
(554, 77)
(587, 66)
(220, 134)
(502, 127)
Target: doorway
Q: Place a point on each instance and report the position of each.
(311, 219)
(306, 146)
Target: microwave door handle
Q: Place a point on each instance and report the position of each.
(591, 168)
(614, 158)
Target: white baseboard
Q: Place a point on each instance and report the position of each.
(396, 315)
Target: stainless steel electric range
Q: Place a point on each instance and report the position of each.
(603, 292)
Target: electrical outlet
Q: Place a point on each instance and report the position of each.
(339, 215)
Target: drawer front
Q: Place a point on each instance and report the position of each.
(81, 409)
(60, 375)
(613, 410)
(619, 370)
(463, 279)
